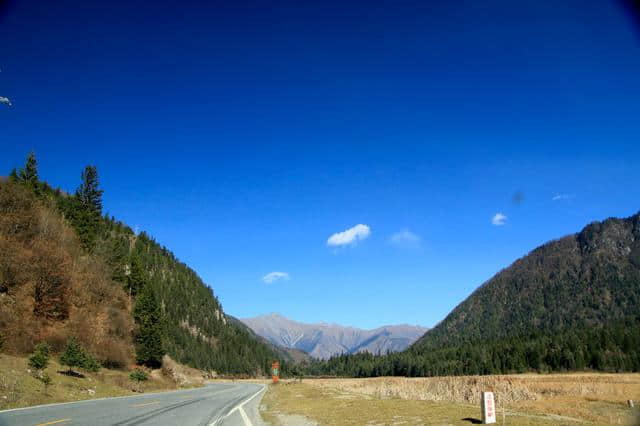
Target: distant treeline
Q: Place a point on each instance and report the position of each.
(570, 304)
(614, 348)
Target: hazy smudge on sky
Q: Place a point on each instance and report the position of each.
(517, 198)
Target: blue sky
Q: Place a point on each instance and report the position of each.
(242, 136)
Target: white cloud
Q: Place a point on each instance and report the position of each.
(350, 236)
(559, 197)
(275, 276)
(405, 237)
(498, 219)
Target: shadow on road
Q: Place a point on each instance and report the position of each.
(472, 420)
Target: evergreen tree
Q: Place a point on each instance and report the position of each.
(84, 210)
(149, 350)
(88, 193)
(30, 172)
(40, 357)
(118, 256)
(72, 355)
(75, 355)
(137, 278)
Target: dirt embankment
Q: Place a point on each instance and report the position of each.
(19, 386)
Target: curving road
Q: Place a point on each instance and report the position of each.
(232, 404)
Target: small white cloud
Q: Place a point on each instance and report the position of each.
(275, 276)
(350, 236)
(498, 219)
(405, 237)
(559, 197)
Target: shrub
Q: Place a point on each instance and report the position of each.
(138, 375)
(75, 355)
(45, 379)
(1, 340)
(90, 363)
(40, 357)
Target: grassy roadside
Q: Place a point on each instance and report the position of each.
(551, 400)
(19, 387)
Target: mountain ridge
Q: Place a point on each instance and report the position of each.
(322, 340)
(67, 271)
(588, 277)
(571, 304)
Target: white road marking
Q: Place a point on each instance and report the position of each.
(247, 422)
(238, 407)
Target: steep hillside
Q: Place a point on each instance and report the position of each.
(65, 270)
(289, 355)
(197, 331)
(322, 341)
(50, 289)
(588, 279)
(571, 304)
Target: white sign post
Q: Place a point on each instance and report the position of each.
(488, 408)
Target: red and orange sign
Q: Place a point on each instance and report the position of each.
(275, 371)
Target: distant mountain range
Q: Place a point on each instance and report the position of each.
(325, 340)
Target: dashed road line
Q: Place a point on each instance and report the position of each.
(144, 405)
(53, 422)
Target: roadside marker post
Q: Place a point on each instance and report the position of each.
(275, 371)
(488, 407)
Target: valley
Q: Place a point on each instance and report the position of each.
(239, 213)
(322, 341)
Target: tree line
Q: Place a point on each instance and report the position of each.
(614, 347)
(174, 311)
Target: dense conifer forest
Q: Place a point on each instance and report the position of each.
(571, 304)
(173, 310)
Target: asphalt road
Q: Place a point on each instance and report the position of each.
(228, 404)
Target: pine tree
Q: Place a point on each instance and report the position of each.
(73, 355)
(119, 252)
(40, 357)
(149, 350)
(30, 172)
(137, 278)
(88, 193)
(84, 210)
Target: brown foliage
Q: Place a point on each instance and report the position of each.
(50, 270)
(50, 289)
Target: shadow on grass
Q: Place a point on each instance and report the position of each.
(72, 373)
(472, 420)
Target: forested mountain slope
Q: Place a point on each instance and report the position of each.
(588, 279)
(67, 271)
(51, 289)
(289, 355)
(571, 304)
(197, 332)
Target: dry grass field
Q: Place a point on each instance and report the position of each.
(525, 400)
